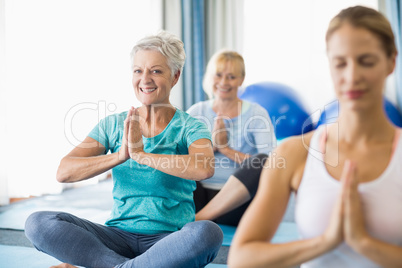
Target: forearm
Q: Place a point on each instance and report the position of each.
(263, 254)
(384, 254)
(191, 167)
(73, 169)
(233, 154)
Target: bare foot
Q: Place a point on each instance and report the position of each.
(64, 265)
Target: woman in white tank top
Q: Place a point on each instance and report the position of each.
(347, 175)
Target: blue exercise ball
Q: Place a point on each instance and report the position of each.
(288, 113)
(330, 114)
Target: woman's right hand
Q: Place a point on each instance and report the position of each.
(123, 153)
(334, 234)
(134, 137)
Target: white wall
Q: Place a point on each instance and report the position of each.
(3, 134)
(285, 42)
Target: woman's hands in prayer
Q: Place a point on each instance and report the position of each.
(219, 134)
(135, 144)
(347, 221)
(132, 136)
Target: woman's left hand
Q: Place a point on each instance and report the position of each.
(135, 144)
(354, 224)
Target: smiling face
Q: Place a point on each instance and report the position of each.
(227, 80)
(152, 77)
(359, 66)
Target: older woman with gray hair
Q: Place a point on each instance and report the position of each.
(156, 153)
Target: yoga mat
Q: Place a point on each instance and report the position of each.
(18, 257)
(93, 203)
(21, 257)
(228, 233)
(286, 232)
(15, 218)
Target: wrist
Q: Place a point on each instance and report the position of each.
(224, 150)
(361, 244)
(137, 156)
(121, 157)
(329, 243)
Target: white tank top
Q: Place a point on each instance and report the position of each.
(381, 202)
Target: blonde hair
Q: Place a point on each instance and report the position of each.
(369, 19)
(218, 59)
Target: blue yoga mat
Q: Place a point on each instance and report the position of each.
(19, 257)
(228, 233)
(93, 203)
(286, 232)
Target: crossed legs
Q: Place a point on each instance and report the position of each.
(80, 242)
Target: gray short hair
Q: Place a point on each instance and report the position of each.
(166, 43)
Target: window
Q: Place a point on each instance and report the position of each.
(67, 66)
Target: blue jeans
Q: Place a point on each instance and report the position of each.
(80, 242)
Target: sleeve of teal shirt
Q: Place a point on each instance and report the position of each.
(196, 130)
(99, 133)
(109, 131)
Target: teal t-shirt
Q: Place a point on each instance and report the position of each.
(146, 200)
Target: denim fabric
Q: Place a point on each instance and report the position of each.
(80, 242)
